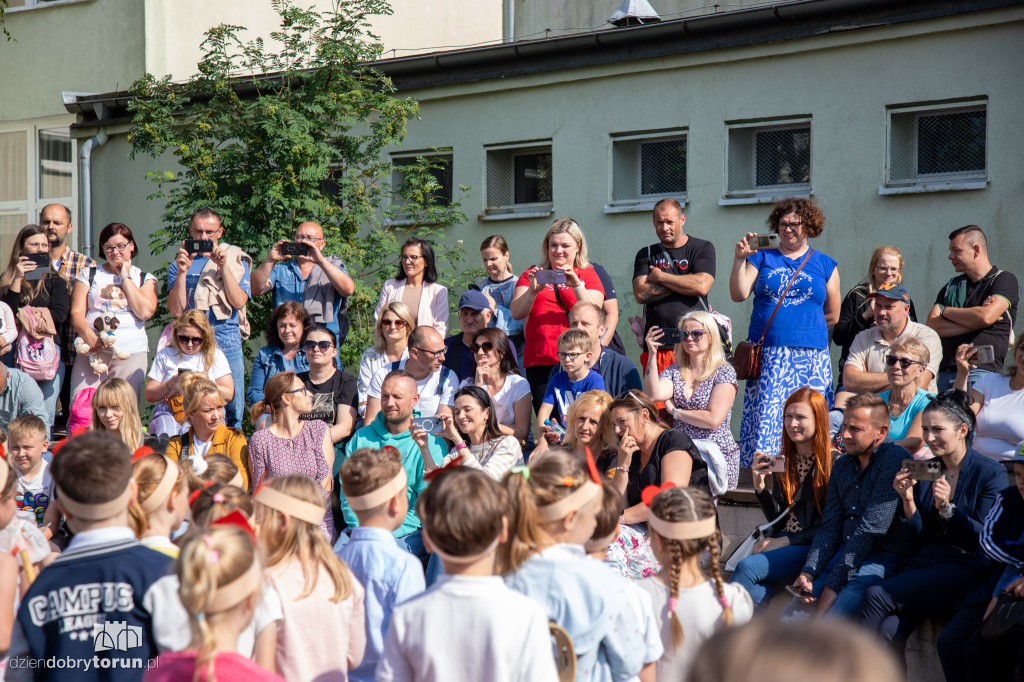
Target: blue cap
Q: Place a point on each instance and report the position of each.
(475, 300)
(894, 290)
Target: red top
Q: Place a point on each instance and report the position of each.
(548, 319)
(176, 666)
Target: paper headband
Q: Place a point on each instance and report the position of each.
(235, 591)
(682, 530)
(237, 480)
(380, 495)
(286, 504)
(4, 472)
(575, 500)
(163, 489)
(95, 512)
(462, 560)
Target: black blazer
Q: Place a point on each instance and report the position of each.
(807, 514)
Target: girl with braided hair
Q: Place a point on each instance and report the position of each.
(692, 605)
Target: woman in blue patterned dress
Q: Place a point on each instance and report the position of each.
(795, 352)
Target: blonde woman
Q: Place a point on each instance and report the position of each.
(115, 409)
(390, 344)
(588, 425)
(207, 434)
(699, 389)
(193, 348)
(545, 307)
(857, 311)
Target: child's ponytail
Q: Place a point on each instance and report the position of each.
(148, 473)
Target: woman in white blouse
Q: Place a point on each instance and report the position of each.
(416, 286)
(498, 374)
(473, 420)
(390, 344)
(997, 399)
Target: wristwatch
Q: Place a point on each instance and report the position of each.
(947, 513)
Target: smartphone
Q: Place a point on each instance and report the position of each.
(984, 354)
(671, 336)
(428, 424)
(764, 241)
(294, 249)
(42, 261)
(923, 470)
(778, 465)
(550, 277)
(797, 593)
(198, 246)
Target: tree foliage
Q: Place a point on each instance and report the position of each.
(272, 134)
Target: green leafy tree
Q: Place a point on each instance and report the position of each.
(274, 134)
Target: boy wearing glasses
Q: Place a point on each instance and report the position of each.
(575, 379)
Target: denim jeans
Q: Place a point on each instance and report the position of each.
(876, 568)
(761, 574)
(51, 389)
(945, 379)
(234, 409)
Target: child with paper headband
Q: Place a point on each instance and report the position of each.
(161, 504)
(221, 580)
(323, 633)
(468, 625)
(691, 605)
(553, 504)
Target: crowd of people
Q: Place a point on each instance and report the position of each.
(516, 500)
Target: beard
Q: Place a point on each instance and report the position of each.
(396, 418)
(55, 239)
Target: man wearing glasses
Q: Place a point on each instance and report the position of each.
(435, 383)
(320, 283)
(216, 282)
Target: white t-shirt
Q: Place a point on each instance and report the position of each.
(33, 508)
(267, 611)
(432, 393)
(1000, 426)
(169, 361)
(371, 361)
(106, 296)
(512, 391)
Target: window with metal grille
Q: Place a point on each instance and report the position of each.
(648, 167)
(518, 176)
(928, 144)
(765, 158)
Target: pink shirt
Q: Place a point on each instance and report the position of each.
(173, 666)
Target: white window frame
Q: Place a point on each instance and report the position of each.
(40, 4)
(513, 211)
(755, 194)
(640, 202)
(919, 183)
(404, 157)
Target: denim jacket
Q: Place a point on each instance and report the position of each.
(270, 361)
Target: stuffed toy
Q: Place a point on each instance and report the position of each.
(105, 326)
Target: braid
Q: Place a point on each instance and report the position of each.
(675, 548)
(716, 576)
(207, 651)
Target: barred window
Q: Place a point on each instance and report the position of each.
(766, 158)
(937, 144)
(519, 176)
(648, 167)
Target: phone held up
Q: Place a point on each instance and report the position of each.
(197, 246)
(984, 354)
(550, 277)
(42, 261)
(764, 241)
(428, 424)
(294, 249)
(670, 336)
(927, 470)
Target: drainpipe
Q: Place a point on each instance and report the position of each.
(510, 21)
(85, 186)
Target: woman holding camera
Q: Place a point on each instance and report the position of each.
(799, 486)
(997, 400)
(944, 516)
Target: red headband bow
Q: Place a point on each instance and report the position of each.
(238, 520)
(431, 475)
(195, 493)
(650, 491)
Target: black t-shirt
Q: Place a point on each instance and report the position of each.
(695, 256)
(961, 292)
(338, 391)
(669, 440)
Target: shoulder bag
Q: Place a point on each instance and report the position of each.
(747, 546)
(747, 356)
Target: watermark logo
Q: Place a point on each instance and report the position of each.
(116, 636)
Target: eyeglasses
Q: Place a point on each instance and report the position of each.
(397, 324)
(696, 334)
(891, 361)
(322, 346)
(204, 234)
(887, 270)
(410, 259)
(308, 238)
(120, 248)
(568, 357)
(486, 347)
(790, 226)
(432, 353)
(189, 340)
(301, 389)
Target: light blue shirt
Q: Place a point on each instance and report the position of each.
(289, 285)
(390, 575)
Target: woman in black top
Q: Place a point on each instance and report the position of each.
(49, 292)
(335, 395)
(650, 454)
(777, 559)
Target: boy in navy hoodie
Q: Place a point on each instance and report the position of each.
(108, 605)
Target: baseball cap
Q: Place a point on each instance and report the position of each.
(475, 300)
(894, 290)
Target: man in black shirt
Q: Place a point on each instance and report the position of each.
(978, 306)
(672, 277)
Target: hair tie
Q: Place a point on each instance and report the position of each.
(522, 470)
(200, 616)
(218, 497)
(214, 554)
(724, 602)
(672, 603)
(568, 481)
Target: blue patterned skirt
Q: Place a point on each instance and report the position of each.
(783, 370)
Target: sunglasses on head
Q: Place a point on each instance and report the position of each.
(322, 346)
(891, 360)
(486, 347)
(189, 340)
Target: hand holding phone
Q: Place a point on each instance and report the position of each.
(763, 241)
(927, 470)
(670, 336)
(294, 249)
(197, 246)
(429, 424)
(42, 263)
(778, 464)
(550, 277)
(984, 354)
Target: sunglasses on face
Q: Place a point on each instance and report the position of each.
(397, 324)
(486, 347)
(322, 346)
(891, 360)
(189, 340)
(696, 334)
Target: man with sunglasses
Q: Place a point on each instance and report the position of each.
(320, 283)
(435, 383)
(864, 371)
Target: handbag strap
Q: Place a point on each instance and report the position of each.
(783, 296)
